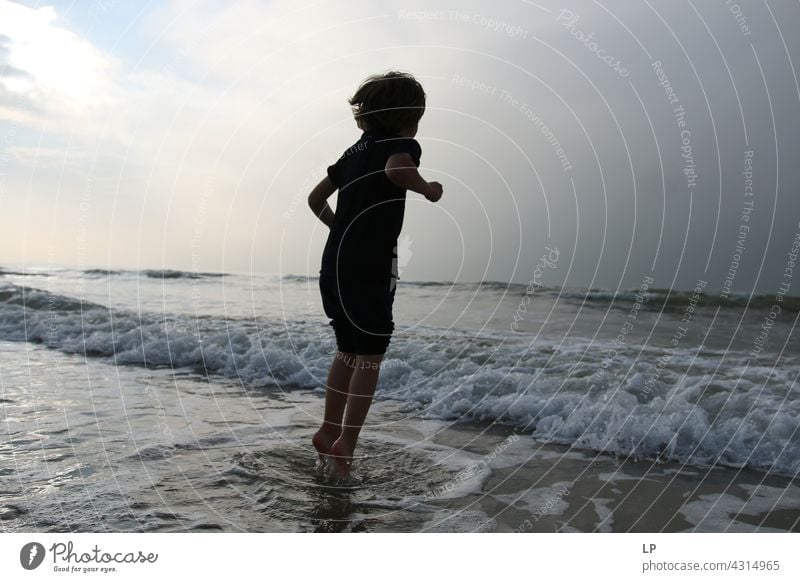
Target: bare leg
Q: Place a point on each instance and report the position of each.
(362, 389)
(336, 391)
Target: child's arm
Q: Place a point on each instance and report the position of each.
(318, 200)
(401, 171)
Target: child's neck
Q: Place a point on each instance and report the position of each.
(401, 133)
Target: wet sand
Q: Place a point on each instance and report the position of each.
(488, 478)
(96, 447)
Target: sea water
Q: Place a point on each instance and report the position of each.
(183, 361)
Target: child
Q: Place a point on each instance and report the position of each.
(359, 264)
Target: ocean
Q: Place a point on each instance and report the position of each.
(166, 400)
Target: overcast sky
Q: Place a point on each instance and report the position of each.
(187, 135)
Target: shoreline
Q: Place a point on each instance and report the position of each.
(155, 451)
(533, 487)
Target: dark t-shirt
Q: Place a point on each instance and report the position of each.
(362, 242)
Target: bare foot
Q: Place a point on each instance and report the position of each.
(323, 440)
(341, 453)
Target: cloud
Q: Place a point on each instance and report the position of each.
(250, 98)
(47, 65)
(6, 69)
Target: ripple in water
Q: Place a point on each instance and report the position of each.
(285, 485)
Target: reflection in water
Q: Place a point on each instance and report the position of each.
(102, 459)
(334, 512)
(301, 494)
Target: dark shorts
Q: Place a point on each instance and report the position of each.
(360, 313)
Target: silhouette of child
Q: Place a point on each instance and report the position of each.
(359, 264)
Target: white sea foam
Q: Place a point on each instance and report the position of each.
(697, 412)
(604, 512)
(539, 501)
(715, 512)
(449, 521)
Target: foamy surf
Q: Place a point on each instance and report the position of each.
(689, 408)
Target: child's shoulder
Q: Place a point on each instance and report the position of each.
(377, 147)
(396, 144)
